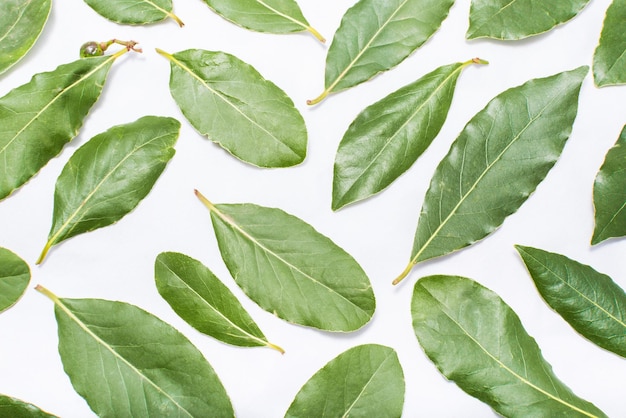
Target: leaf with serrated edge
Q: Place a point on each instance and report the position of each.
(15, 408)
(14, 278)
(609, 59)
(134, 12)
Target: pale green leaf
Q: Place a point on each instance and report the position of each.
(476, 340)
(609, 60)
(107, 177)
(230, 102)
(364, 381)
(14, 408)
(288, 268)
(134, 12)
(14, 278)
(591, 302)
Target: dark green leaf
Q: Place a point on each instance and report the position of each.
(134, 12)
(14, 278)
(14, 408)
(609, 60)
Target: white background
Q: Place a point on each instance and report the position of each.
(117, 262)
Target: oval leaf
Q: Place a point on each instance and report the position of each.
(126, 362)
(273, 16)
(366, 381)
(592, 303)
(517, 19)
(14, 278)
(514, 141)
(200, 298)
(134, 12)
(609, 194)
(609, 60)
(14, 408)
(387, 137)
(477, 341)
(21, 23)
(376, 35)
(107, 177)
(40, 117)
(290, 269)
(230, 102)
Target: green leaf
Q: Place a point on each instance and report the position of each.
(38, 118)
(477, 341)
(230, 102)
(497, 161)
(21, 23)
(609, 60)
(376, 35)
(609, 194)
(592, 303)
(517, 19)
(387, 137)
(290, 269)
(273, 16)
(14, 408)
(14, 278)
(134, 12)
(126, 362)
(200, 298)
(107, 177)
(364, 381)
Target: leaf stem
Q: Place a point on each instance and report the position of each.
(205, 201)
(54, 298)
(44, 252)
(176, 19)
(316, 34)
(318, 98)
(275, 347)
(405, 273)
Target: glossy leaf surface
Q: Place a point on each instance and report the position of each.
(288, 268)
(14, 408)
(134, 12)
(21, 23)
(387, 137)
(202, 300)
(14, 278)
(517, 19)
(609, 60)
(107, 177)
(609, 194)
(591, 302)
(273, 16)
(230, 102)
(38, 118)
(376, 35)
(476, 340)
(364, 381)
(126, 362)
(513, 142)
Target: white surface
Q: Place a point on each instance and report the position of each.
(117, 262)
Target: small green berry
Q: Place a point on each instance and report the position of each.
(91, 49)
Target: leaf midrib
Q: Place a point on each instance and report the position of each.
(19, 17)
(369, 381)
(297, 22)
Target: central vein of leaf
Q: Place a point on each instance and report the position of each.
(17, 20)
(267, 6)
(369, 381)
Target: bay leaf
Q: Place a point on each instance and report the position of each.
(15, 408)
(364, 381)
(476, 340)
(518, 19)
(107, 177)
(202, 300)
(609, 59)
(388, 136)
(38, 118)
(21, 23)
(494, 165)
(289, 269)
(134, 12)
(609, 194)
(14, 278)
(591, 302)
(273, 16)
(375, 36)
(227, 100)
(127, 362)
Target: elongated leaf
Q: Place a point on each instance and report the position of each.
(134, 12)
(387, 137)
(609, 194)
(290, 269)
(376, 35)
(14, 278)
(126, 362)
(230, 102)
(201, 299)
(476, 340)
(38, 118)
(14, 408)
(591, 302)
(107, 177)
(609, 60)
(273, 16)
(364, 381)
(517, 19)
(21, 23)
(497, 161)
